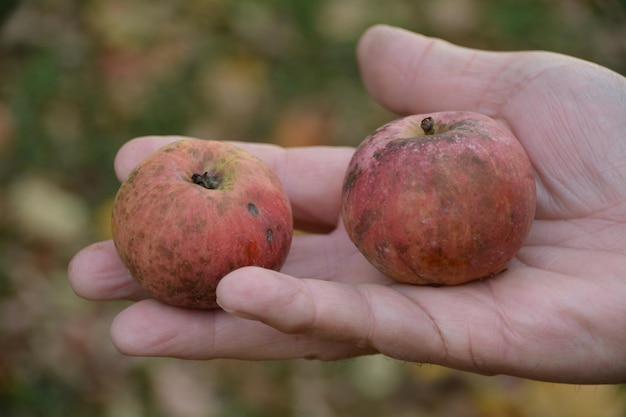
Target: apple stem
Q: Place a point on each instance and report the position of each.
(428, 125)
(208, 181)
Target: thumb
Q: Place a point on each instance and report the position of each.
(292, 305)
(371, 318)
(410, 73)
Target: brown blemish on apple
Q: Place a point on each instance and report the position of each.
(131, 177)
(396, 146)
(252, 209)
(252, 251)
(434, 258)
(362, 227)
(351, 178)
(269, 235)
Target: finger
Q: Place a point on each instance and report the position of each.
(411, 73)
(484, 327)
(312, 177)
(370, 317)
(452, 326)
(136, 150)
(149, 328)
(97, 273)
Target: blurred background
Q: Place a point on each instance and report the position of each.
(79, 78)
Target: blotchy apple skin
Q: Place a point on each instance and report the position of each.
(178, 239)
(439, 209)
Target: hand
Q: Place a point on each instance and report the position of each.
(558, 313)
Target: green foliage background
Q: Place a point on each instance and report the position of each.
(79, 78)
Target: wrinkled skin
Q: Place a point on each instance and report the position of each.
(442, 208)
(192, 212)
(556, 314)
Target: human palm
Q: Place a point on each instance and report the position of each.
(556, 314)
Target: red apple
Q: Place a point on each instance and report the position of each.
(194, 211)
(439, 199)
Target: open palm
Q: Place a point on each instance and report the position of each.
(557, 313)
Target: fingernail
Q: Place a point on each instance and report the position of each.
(228, 310)
(236, 313)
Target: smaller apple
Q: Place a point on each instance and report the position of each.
(439, 199)
(194, 211)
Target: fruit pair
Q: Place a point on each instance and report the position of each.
(439, 199)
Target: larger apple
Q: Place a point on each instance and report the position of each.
(439, 199)
(194, 211)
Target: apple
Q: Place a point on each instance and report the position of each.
(192, 212)
(439, 199)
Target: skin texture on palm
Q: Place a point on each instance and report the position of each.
(556, 314)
